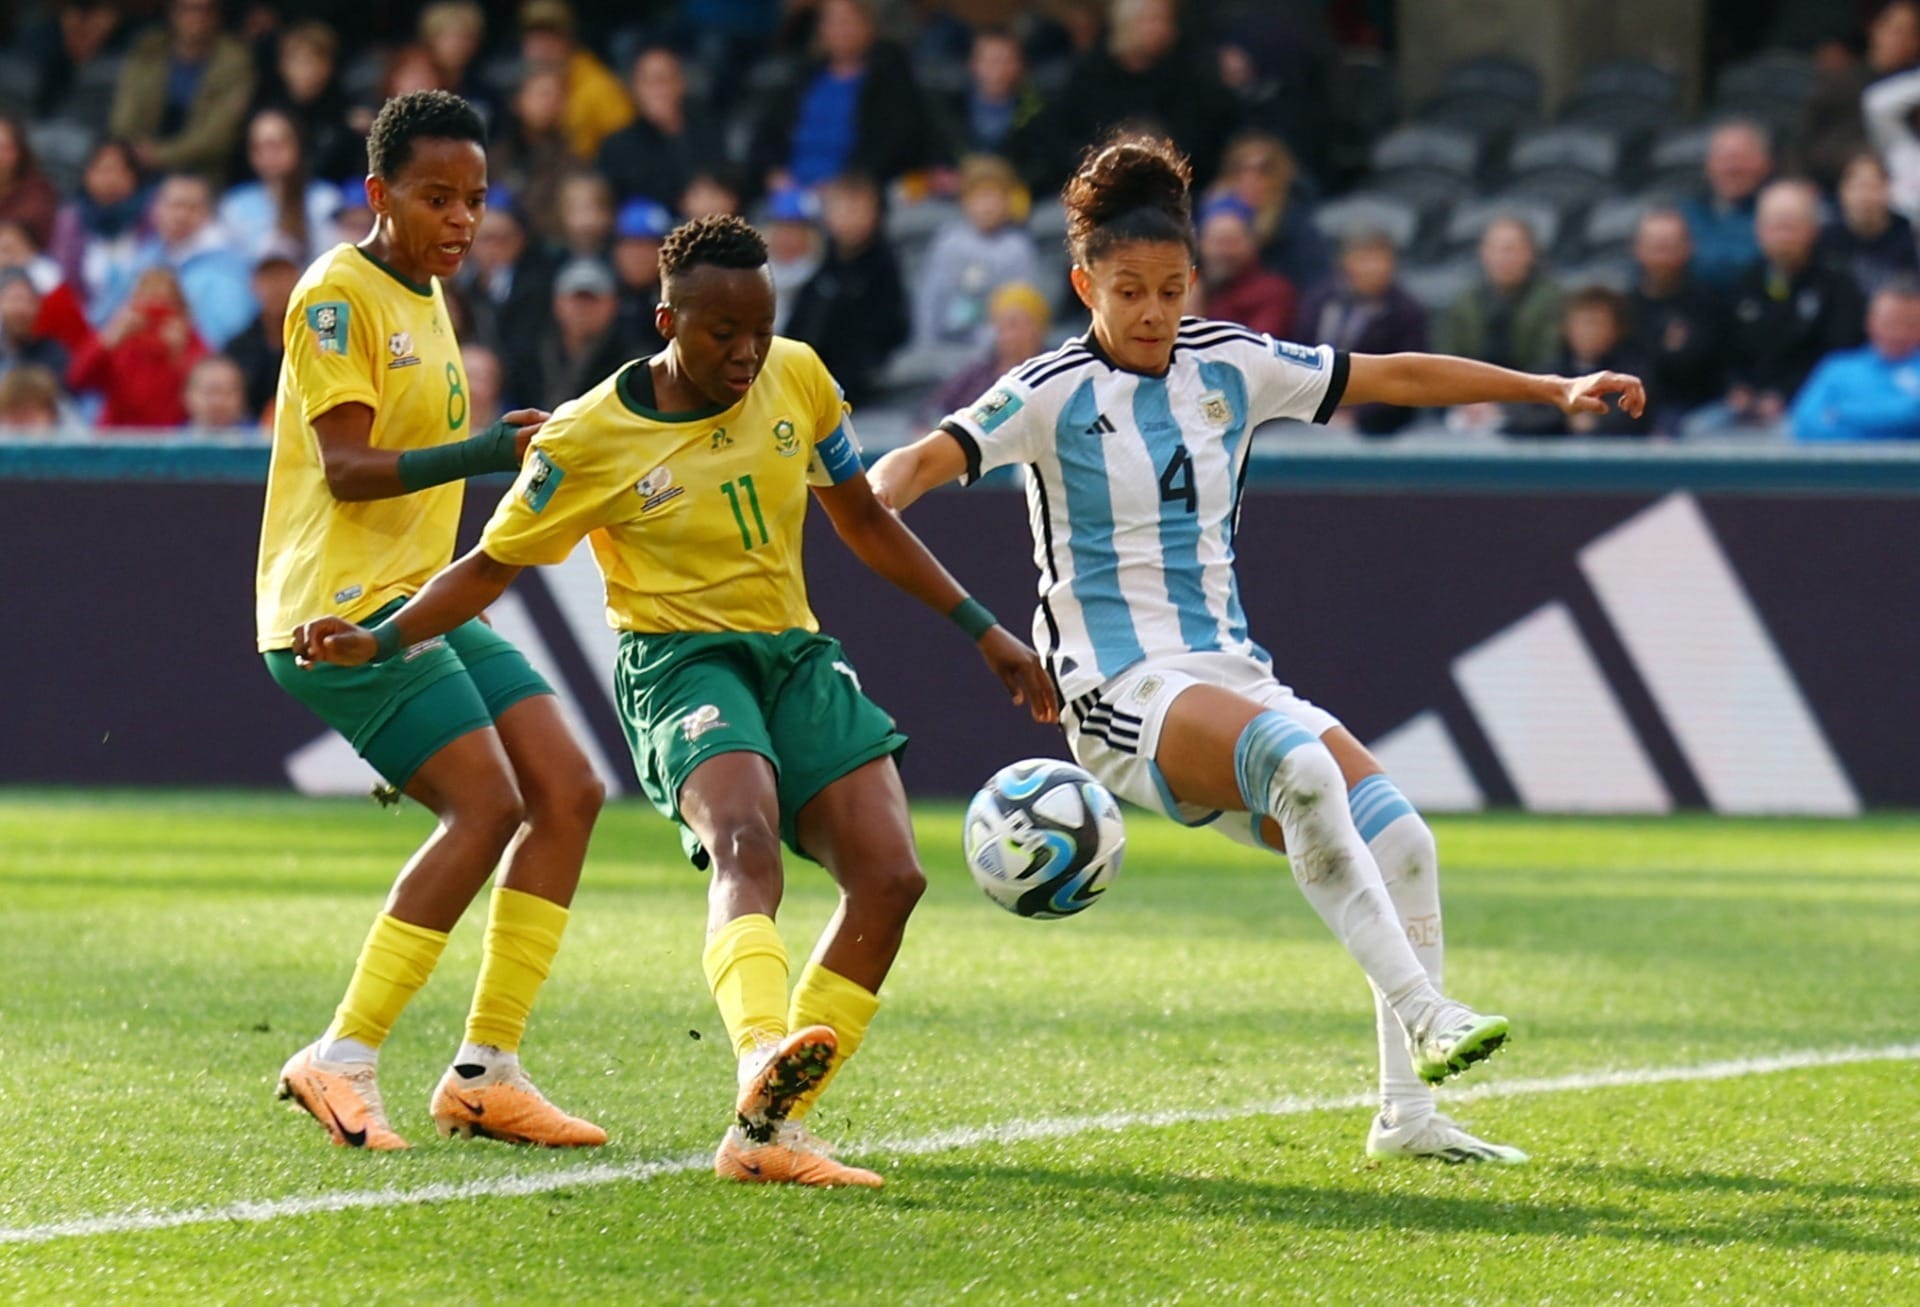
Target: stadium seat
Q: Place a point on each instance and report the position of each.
(19, 83)
(62, 148)
(913, 225)
(1611, 223)
(1048, 222)
(1469, 220)
(1495, 77)
(1674, 163)
(1772, 88)
(1437, 285)
(1616, 274)
(1638, 78)
(1395, 216)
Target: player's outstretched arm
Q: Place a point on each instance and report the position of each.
(1440, 380)
(457, 594)
(905, 474)
(355, 470)
(881, 541)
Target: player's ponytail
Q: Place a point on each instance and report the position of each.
(1130, 187)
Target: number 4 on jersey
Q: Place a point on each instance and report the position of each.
(1176, 480)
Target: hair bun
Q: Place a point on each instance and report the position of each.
(1131, 185)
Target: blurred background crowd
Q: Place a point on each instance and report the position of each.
(1741, 235)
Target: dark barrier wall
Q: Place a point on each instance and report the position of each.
(1628, 651)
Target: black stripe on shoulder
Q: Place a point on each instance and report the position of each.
(1060, 369)
(1336, 387)
(968, 446)
(1039, 363)
(1216, 333)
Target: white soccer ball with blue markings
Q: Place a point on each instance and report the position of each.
(1044, 839)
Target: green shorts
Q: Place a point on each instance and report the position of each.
(792, 698)
(399, 713)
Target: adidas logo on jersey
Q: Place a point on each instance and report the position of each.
(1102, 425)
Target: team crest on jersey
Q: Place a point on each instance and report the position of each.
(400, 345)
(329, 325)
(784, 438)
(1305, 355)
(656, 490)
(719, 440)
(995, 407)
(701, 720)
(1215, 409)
(540, 480)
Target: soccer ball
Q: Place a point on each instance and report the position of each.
(1044, 839)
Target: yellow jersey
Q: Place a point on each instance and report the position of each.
(357, 333)
(694, 518)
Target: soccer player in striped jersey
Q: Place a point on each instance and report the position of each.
(1135, 438)
(690, 473)
(371, 444)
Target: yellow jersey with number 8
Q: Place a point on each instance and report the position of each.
(357, 333)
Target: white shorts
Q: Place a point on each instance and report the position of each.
(1114, 731)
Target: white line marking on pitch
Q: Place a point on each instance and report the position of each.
(586, 1177)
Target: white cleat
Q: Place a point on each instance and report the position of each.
(1438, 1137)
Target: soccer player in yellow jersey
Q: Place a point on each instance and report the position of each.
(370, 445)
(689, 474)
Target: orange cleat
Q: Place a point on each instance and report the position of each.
(343, 1097)
(781, 1075)
(791, 1156)
(504, 1105)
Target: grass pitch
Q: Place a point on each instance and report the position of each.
(1157, 1101)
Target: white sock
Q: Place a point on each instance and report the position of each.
(345, 1050)
(1403, 849)
(1286, 774)
(485, 1056)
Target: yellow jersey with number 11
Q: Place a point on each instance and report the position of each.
(357, 333)
(695, 518)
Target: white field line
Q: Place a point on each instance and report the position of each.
(593, 1176)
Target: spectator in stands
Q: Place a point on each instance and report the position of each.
(1739, 161)
(1870, 393)
(1145, 73)
(855, 107)
(30, 401)
(1000, 112)
(657, 154)
(793, 248)
(1365, 311)
(581, 348)
(17, 250)
(82, 57)
(213, 275)
(353, 220)
(854, 310)
(139, 361)
(531, 154)
(97, 237)
(1020, 318)
(21, 343)
(1233, 286)
(1511, 316)
(1260, 170)
(454, 32)
(1593, 330)
(286, 204)
(713, 190)
(983, 249)
(183, 93)
(1867, 237)
(261, 345)
(1832, 129)
(637, 233)
(486, 379)
(409, 68)
(586, 213)
(1789, 310)
(509, 282)
(26, 196)
(1679, 326)
(306, 89)
(215, 396)
(596, 105)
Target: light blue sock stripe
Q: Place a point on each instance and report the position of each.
(1377, 804)
(1262, 746)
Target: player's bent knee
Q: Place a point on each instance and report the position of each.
(745, 849)
(491, 813)
(894, 891)
(1307, 778)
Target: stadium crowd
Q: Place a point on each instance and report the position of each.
(168, 169)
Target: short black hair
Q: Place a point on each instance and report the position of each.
(722, 240)
(415, 116)
(1130, 187)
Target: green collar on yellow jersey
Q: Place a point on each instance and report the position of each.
(408, 282)
(635, 384)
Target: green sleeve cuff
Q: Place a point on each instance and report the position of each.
(493, 450)
(971, 616)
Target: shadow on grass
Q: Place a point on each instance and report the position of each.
(1114, 1195)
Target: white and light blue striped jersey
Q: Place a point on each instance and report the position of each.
(1133, 487)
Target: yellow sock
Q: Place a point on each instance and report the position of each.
(394, 962)
(746, 965)
(827, 998)
(523, 934)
